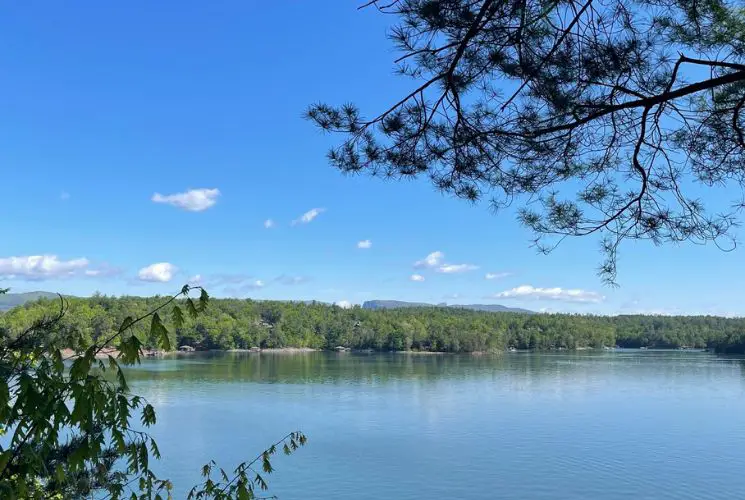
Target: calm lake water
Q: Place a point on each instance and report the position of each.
(595, 425)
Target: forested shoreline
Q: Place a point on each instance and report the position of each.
(243, 324)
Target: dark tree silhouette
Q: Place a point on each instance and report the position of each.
(601, 117)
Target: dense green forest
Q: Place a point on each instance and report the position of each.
(242, 324)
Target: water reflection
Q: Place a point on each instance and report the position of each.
(384, 368)
(595, 425)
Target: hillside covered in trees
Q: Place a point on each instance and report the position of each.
(242, 324)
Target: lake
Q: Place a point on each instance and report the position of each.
(594, 425)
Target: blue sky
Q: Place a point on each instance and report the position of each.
(109, 110)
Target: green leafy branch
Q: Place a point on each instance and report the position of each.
(246, 480)
(45, 396)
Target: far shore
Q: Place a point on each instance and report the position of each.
(150, 353)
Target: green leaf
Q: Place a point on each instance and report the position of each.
(59, 472)
(191, 308)
(158, 331)
(177, 316)
(5, 458)
(122, 380)
(242, 491)
(154, 448)
(266, 463)
(148, 415)
(80, 409)
(4, 393)
(129, 350)
(126, 323)
(79, 455)
(80, 368)
(57, 362)
(203, 300)
(118, 438)
(260, 481)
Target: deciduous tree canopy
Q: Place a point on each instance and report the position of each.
(241, 324)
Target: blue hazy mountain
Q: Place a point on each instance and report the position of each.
(11, 300)
(398, 304)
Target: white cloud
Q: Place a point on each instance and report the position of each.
(269, 223)
(64, 196)
(309, 216)
(435, 260)
(257, 284)
(40, 267)
(161, 272)
(364, 244)
(496, 276)
(562, 294)
(193, 200)
(432, 260)
(344, 304)
(195, 280)
(456, 268)
(416, 277)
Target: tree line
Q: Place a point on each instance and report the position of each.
(246, 323)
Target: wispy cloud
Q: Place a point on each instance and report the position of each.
(416, 277)
(231, 284)
(344, 304)
(308, 216)
(291, 280)
(41, 267)
(161, 272)
(228, 279)
(269, 223)
(556, 293)
(434, 259)
(496, 276)
(103, 271)
(244, 288)
(364, 244)
(456, 268)
(193, 200)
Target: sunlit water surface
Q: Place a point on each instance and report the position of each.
(595, 425)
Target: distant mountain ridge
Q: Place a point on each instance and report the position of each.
(398, 304)
(10, 300)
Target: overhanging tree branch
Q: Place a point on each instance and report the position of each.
(562, 105)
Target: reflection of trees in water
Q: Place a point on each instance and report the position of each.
(519, 370)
